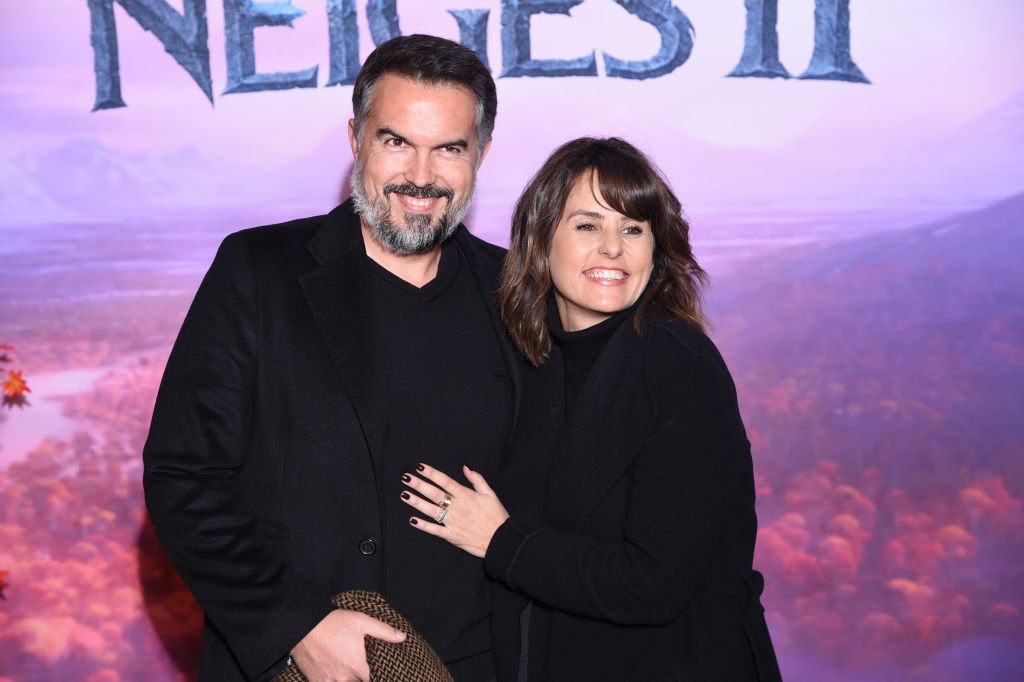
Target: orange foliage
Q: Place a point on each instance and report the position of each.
(94, 595)
(897, 569)
(14, 385)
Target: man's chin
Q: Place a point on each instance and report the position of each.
(409, 240)
(419, 222)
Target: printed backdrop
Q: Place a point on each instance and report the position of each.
(863, 235)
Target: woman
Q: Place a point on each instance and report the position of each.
(629, 479)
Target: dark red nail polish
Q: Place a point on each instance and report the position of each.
(405, 496)
(414, 522)
(419, 467)
(406, 477)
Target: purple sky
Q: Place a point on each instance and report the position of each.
(935, 68)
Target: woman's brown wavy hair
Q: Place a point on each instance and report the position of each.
(631, 185)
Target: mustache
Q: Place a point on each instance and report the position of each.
(425, 192)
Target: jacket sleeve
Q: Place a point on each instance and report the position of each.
(234, 564)
(685, 483)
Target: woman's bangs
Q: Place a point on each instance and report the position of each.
(627, 189)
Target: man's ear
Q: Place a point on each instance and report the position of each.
(353, 141)
(483, 154)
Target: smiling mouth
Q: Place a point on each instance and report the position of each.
(417, 203)
(605, 275)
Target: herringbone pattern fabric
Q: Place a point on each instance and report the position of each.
(411, 661)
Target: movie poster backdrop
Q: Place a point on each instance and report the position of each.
(853, 173)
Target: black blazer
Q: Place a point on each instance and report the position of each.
(638, 561)
(260, 475)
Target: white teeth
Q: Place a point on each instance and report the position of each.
(417, 202)
(605, 274)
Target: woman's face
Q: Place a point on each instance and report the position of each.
(600, 260)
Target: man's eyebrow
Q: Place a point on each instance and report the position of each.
(461, 144)
(388, 132)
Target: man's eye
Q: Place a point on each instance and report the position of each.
(394, 142)
(453, 150)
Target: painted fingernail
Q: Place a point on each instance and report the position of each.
(405, 496)
(420, 467)
(406, 477)
(414, 522)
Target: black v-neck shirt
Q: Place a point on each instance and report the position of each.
(449, 403)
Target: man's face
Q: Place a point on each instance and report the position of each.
(416, 162)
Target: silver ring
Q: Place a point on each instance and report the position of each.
(441, 516)
(445, 502)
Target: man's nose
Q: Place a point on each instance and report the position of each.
(420, 170)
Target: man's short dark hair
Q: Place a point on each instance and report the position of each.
(434, 61)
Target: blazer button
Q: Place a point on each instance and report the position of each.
(367, 547)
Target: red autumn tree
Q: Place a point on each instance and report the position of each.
(13, 386)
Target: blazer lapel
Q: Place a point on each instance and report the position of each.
(342, 304)
(603, 430)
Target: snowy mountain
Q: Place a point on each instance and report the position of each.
(84, 180)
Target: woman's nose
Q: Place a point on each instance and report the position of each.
(611, 245)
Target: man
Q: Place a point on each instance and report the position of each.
(321, 361)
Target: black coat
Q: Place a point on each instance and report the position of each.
(260, 476)
(636, 546)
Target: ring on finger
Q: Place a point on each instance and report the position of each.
(442, 515)
(445, 502)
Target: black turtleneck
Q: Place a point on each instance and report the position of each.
(582, 348)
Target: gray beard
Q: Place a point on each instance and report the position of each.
(420, 233)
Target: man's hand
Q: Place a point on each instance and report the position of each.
(334, 651)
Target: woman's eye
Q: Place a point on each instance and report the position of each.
(632, 229)
(586, 227)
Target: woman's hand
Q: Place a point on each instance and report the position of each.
(472, 516)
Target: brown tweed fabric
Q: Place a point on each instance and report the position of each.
(411, 661)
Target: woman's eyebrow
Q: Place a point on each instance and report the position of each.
(589, 214)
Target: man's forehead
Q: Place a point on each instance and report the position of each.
(416, 109)
(399, 87)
